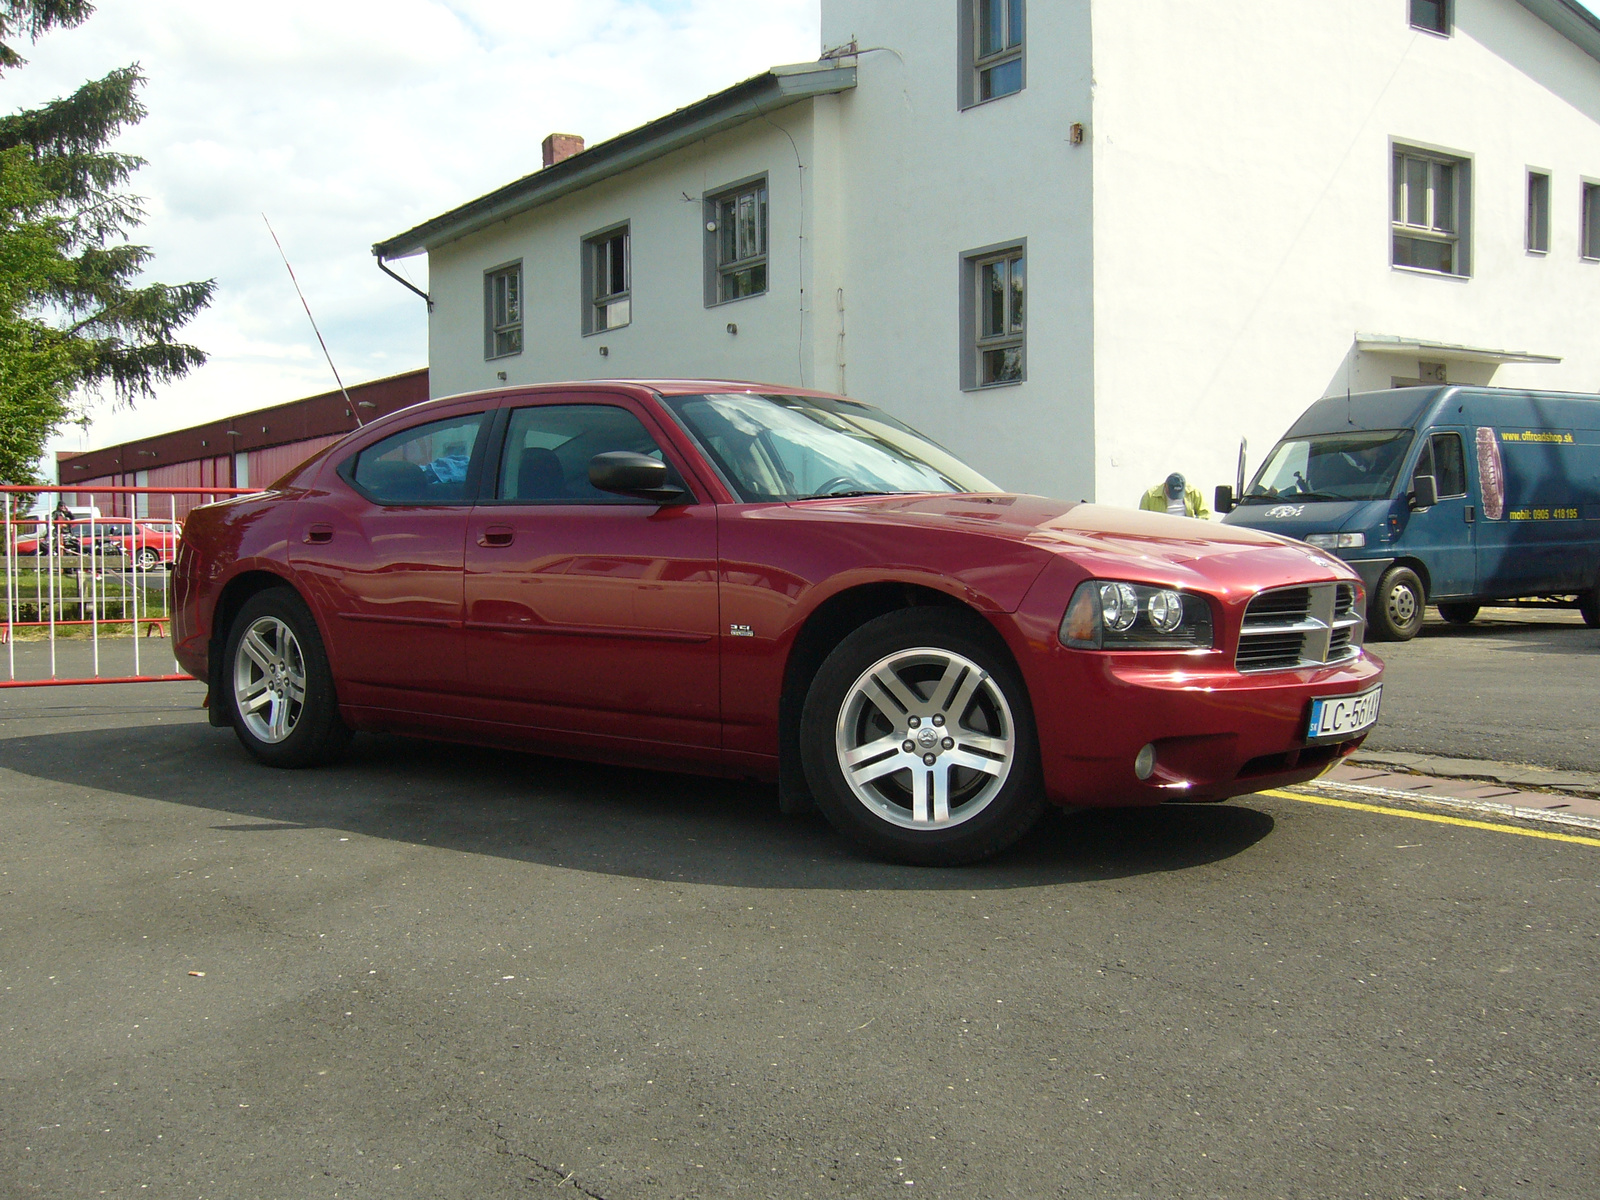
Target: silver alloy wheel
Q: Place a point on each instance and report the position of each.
(269, 679)
(925, 738)
(1402, 603)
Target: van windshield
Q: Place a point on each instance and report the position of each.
(1359, 465)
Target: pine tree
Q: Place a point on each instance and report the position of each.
(76, 319)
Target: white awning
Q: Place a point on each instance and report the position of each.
(1383, 343)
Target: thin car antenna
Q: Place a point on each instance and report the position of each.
(349, 404)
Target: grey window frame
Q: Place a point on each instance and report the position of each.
(596, 302)
(1537, 232)
(494, 330)
(972, 65)
(716, 269)
(1447, 14)
(1459, 238)
(1589, 219)
(973, 341)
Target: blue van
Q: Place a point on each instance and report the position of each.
(1452, 496)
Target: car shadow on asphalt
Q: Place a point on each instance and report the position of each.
(589, 817)
(1531, 637)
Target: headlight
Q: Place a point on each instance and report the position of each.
(1133, 616)
(1336, 541)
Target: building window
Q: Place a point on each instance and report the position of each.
(991, 49)
(994, 346)
(1591, 220)
(736, 242)
(1431, 15)
(607, 280)
(1538, 212)
(1431, 201)
(502, 311)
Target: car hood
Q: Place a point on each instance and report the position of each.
(1115, 543)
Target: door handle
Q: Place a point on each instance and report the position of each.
(1469, 514)
(318, 535)
(496, 535)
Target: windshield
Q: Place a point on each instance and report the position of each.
(799, 447)
(1359, 465)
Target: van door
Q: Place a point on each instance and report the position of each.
(1443, 536)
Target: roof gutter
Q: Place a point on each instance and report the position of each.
(1570, 19)
(774, 89)
(404, 282)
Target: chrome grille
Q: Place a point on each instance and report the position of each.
(1303, 626)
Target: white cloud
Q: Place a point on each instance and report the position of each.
(347, 121)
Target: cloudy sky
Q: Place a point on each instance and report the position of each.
(347, 121)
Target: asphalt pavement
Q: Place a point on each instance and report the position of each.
(1518, 685)
(438, 971)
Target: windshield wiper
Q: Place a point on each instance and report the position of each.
(841, 495)
(1287, 498)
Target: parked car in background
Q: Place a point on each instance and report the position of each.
(1454, 496)
(756, 581)
(150, 544)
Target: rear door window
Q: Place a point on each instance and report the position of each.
(548, 449)
(426, 464)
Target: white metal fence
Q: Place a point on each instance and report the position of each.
(88, 592)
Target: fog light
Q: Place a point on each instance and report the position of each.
(1144, 763)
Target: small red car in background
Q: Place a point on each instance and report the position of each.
(148, 543)
(766, 582)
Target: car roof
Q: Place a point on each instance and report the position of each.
(665, 387)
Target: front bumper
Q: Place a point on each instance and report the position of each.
(1217, 733)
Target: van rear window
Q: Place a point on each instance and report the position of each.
(1359, 465)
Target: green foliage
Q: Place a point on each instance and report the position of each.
(76, 316)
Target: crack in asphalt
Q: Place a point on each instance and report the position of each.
(554, 1172)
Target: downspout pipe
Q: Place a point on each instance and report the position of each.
(404, 282)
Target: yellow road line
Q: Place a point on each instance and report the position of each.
(1436, 818)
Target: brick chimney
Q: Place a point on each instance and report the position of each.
(559, 146)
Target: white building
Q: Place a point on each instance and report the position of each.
(1217, 213)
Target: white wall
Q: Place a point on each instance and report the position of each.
(1242, 160)
(922, 182)
(672, 333)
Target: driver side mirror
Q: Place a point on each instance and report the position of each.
(1424, 491)
(630, 474)
(1222, 501)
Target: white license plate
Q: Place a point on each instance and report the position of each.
(1340, 716)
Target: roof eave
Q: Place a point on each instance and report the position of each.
(771, 90)
(1571, 19)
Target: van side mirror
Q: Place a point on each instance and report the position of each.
(1222, 501)
(629, 474)
(1424, 491)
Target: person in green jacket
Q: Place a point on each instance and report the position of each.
(1176, 496)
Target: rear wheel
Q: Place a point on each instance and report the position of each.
(148, 558)
(1395, 611)
(918, 740)
(1458, 612)
(1589, 606)
(279, 689)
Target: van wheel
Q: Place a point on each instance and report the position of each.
(1458, 612)
(1395, 611)
(918, 740)
(278, 686)
(1589, 606)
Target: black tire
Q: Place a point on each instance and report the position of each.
(989, 807)
(1458, 612)
(310, 731)
(1394, 614)
(149, 558)
(1589, 606)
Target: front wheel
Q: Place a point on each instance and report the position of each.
(279, 689)
(1458, 612)
(1395, 612)
(148, 558)
(918, 740)
(1589, 606)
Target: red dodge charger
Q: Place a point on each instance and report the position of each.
(757, 581)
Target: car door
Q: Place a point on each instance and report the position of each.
(381, 549)
(588, 612)
(1443, 536)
